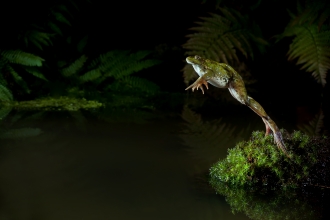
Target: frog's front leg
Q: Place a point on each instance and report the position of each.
(198, 84)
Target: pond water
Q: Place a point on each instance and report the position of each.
(61, 165)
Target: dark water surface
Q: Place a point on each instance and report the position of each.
(76, 166)
(93, 169)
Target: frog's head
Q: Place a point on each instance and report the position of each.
(196, 60)
(199, 64)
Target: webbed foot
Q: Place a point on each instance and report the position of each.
(198, 84)
(278, 139)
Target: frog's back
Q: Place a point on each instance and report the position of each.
(224, 75)
(230, 71)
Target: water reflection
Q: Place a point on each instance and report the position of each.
(100, 165)
(81, 167)
(276, 205)
(208, 141)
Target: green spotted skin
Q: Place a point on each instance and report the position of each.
(222, 75)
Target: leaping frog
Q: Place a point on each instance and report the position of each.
(222, 75)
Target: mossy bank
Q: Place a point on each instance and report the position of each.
(257, 179)
(259, 163)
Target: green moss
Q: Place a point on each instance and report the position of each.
(61, 103)
(258, 179)
(259, 163)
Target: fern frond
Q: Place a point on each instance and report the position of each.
(139, 55)
(22, 58)
(4, 111)
(103, 61)
(90, 75)
(3, 81)
(18, 79)
(3, 62)
(38, 38)
(74, 5)
(74, 67)
(63, 8)
(5, 94)
(311, 48)
(140, 84)
(313, 127)
(60, 17)
(35, 72)
(218, 37)
(122, 65)
(133, 67)
(54, 27)
(61, 64)
(112, 59)
(312, 12)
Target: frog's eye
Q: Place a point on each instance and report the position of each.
(197, 57)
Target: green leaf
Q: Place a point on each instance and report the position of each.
(90, 75)
(74, 67)
(5, 94)
(132, 67)
(3, 81)
(219, 36)
(111, 59)
(312, 12)
(74, 5)
(54, 27)
(35, 72)
(22, 58)
(61, 18)
(63, 8)
(311, 49)
(143, 85)
(38, 38)
(119, 64)
(4, 111)
(18, 79)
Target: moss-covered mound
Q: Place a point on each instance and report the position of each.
(50, 103)
(258, 163)
(257, 179)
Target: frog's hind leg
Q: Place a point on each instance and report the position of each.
(238, 91)
(268, 130)
(270, 124)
